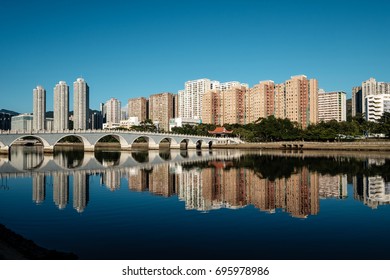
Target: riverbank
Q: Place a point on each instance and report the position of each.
(302, 145)
(15, 247)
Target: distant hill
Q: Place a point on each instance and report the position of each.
(12, 113)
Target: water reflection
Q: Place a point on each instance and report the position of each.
(292, 183)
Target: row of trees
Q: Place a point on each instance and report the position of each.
(274, 129)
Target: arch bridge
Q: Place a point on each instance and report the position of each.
(126, 139)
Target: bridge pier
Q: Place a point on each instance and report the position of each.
(191, 146)
(126, 147)
(153, 146)
(89, 148)
(48, 149)
(4, 150)
(175, 146)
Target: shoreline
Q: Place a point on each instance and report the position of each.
(280, 145)
(13, 246)
(319, 146)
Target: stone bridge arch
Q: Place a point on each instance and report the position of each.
(173, 144)
(152, 143)
(88, 146)
(43, 141)
(124, 144)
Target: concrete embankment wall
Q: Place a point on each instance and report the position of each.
(342, 146)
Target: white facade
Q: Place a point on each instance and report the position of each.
(80, 104)
(378, 191)
(332, 106)
(111, 125)
(61, 106)
(376, 105)
(49, 124)
(39, 108)
(179, 122)
(132, 121)
(22, 122)
(112, 111)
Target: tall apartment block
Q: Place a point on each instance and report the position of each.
(161, 109)
(225, 105)
(61, 106)
(357, 101)
(211, 107)
(233, 105)
(138, 108)
(39, 108)
(112, 111)
(332, 106)
(80, 104)
(261, 100)
(301, 100)
(280, 101)
(372, 87)
(190, 99)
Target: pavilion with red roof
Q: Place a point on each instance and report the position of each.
(220, 131)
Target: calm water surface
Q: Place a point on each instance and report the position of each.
(220, 204)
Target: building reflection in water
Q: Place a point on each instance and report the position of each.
(137, 179)
(80, 191)
(333, 186)
(60, 190)
(111, 178)
(39, 188)
(204, 185)
(373, 191)
(222, 187)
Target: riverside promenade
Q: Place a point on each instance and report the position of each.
(379, 145)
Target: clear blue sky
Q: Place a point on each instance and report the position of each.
(128, 49)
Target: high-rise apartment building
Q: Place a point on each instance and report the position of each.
(226, 104)
(372, 87)
(39, 108)
(280, 101)
(261, 101)
(233, 105)
(112, 111)
(211, 107)
(80, 104)
(357, 102)
(138, 108)
(61, 106)
(332, 106)
(301, 101)
(161, 109)
(190, 100)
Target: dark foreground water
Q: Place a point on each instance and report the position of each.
(223, 204)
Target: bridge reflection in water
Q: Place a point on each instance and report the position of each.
(204, 180)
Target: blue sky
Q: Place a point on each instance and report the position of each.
(126, 49)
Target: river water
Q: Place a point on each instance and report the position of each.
(219, 204)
